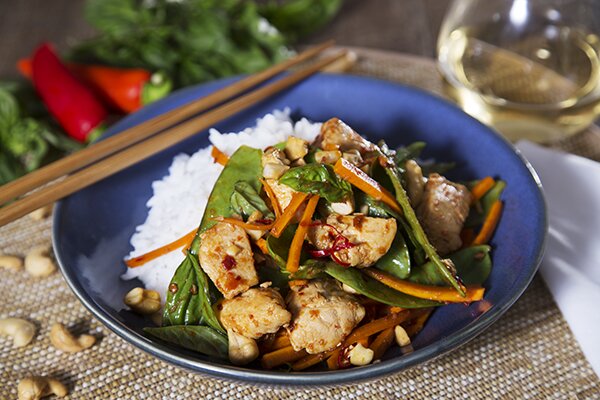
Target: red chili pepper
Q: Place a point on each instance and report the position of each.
(340, 242)
(124, 89)
(68, 100)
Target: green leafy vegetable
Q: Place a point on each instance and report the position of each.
(297, 18)
(473, 265)
(377, 291)
(25, 143)
(397, 260)
(317, 179)
(406, 153)
(194, 41)
(245, 200)
(202, 339)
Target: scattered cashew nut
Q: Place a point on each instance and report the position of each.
(63, 340)
(12, 263)
(39, 263)
(361, 355)
(242, 350)
(20, 330)
(41, 213)
(143, 301)
(36, 387)
(401, 336)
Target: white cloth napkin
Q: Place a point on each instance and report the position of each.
(571, 264)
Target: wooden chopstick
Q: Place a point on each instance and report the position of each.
(144, 130)
(153, 145)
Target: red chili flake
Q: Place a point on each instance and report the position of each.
(344, 358)
(228, 262)
(340, 242)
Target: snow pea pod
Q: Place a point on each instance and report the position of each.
(397, 260)
(245, 200)
(473, 266)
(372, 289)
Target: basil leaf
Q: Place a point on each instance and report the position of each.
(473, 266)
(317, 179)
(202, 339)
(375, 290)
(245, 200)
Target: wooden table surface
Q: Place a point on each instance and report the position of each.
(409, 26)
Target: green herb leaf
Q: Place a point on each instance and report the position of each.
(317, 179)
(202, 339)
(375, 290)
(245, 200)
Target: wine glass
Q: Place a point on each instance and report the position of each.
(529, 68)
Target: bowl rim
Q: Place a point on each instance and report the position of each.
(307, 379)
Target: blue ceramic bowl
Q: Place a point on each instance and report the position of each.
(92, 227)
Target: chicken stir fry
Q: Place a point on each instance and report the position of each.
(358, 241)
(323, 315)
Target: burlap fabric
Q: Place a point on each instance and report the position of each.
(528, 353)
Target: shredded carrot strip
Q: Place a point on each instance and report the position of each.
(245, 225)
(284, 220)
(333, 362)
(262, 245)
(436, 293)
(364, 182)
(281, 342)
(489, 225)
(375, 326)
(151, 255)
(382, 343)
(293, 261)
(298, 282)
(416, 325)
(281, 356)
(481, 188)
(310, 360)
(271, 195)
(219, 156)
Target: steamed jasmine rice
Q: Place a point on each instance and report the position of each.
(179, 199)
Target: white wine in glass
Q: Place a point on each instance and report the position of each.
(529, 68)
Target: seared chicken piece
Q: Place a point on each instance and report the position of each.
(443, 211)
(226, 257)
(322, 315)
(372, 237)
(415, 182)
(255, 313)
(336, 135)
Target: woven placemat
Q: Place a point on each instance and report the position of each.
(529, 353)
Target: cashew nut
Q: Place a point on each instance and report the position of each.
(63, 340)
(242, 350)
(361, 355)
(38, 262)
(401, 336)
(20, 330)
(143, 301)
(12, 263)
(41, 213)
(36, 387)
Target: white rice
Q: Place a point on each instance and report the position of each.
(179, 199)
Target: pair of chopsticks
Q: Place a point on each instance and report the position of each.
(109, 156)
